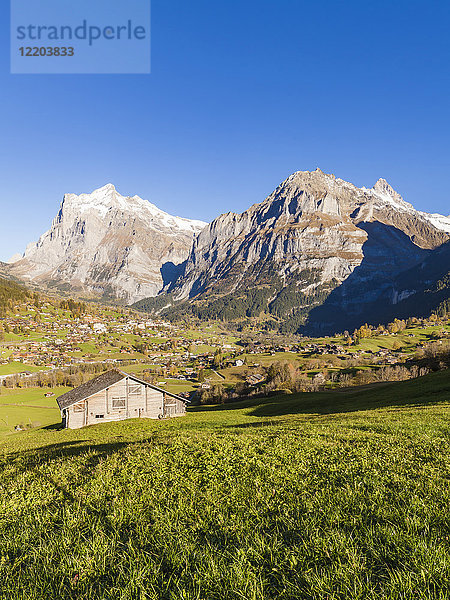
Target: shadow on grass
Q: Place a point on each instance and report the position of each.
(419, 392)
(54, 427)
(415, 393)
(95, 453)
(69, 486)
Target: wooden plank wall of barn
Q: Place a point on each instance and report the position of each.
(147, 403)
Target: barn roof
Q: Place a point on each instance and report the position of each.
(100, 383)
(90, 387)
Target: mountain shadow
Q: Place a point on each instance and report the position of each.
(170, 273)
(387, 274)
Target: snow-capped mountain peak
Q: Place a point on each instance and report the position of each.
(383, 187)
(388, 196)
(106, 199)
(107, 243)
(384, 193)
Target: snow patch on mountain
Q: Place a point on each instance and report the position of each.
(439, 221)
(386, 195)
(104, 243)
(106, 199)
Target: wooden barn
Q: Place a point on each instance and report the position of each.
(115, 396)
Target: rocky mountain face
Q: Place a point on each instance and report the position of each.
(107, 245)
(317, 242)
(4, 269)
(318, 255)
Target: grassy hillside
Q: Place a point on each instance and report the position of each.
(28, 409)
(334, 495)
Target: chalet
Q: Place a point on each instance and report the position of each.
(115, 396)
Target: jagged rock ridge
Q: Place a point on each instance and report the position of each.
(107, 245)
(313, 233)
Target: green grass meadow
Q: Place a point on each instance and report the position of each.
(18, 367)
(333, 495)
(28, 408)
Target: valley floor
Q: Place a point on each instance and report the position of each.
(332, 495)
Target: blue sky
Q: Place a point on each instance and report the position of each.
(241, 94)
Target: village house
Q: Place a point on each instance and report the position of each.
(115, 396)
